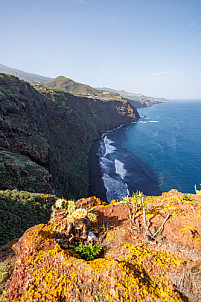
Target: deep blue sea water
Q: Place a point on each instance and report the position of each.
(159, 153)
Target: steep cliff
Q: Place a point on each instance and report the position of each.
(45, 136)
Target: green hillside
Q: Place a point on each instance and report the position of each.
(45, 136)
(63, 83)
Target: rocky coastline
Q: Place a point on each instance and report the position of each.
(150, 245)
(51, 132)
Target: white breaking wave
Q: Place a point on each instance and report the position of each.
(119, 168)
(145, 122)
(105, 164)
(119, 127)
(114, 189)
(108, 146)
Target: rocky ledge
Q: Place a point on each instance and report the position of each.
(151, 251)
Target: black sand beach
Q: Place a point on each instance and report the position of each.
(96, 185)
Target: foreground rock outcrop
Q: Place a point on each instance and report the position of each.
(151, 252)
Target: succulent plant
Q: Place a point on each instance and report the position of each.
(71, 206)
(60, 203)
(79, 214)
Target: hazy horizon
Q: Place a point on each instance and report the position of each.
(148, 47)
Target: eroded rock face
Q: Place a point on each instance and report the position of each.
(133, 266)
(55, 131)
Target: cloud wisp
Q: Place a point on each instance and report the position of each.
(164, 72)
(192, 25)
(81, 1)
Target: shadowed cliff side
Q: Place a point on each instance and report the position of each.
(45, 136)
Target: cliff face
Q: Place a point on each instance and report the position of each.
(45, 136)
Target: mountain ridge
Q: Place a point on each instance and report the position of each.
(26, 76)
(64, 83)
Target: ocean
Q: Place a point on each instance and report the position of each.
(159, 153)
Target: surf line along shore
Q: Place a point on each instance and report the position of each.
(96, 183)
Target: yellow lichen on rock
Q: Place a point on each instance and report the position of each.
(131, 267)
(57, 275)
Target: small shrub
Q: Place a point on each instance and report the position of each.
(135, 204)
(185, 197)
(88, 252)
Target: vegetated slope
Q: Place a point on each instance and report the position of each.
(45, 137)
(30, 77)
(76, 88)
(20, 210)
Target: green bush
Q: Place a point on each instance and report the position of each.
(88, 252)
(185, 197)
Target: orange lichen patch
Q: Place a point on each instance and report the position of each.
(193, 232)
(28, 236)
(90, 202)
(133, 268)
(55, 275)
(114, 201)
(47, 232)
(116, 238)
(112, 216)
(174, 192)
(52, 274)
(183, 214)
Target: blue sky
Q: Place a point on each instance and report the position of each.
(151, 47)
